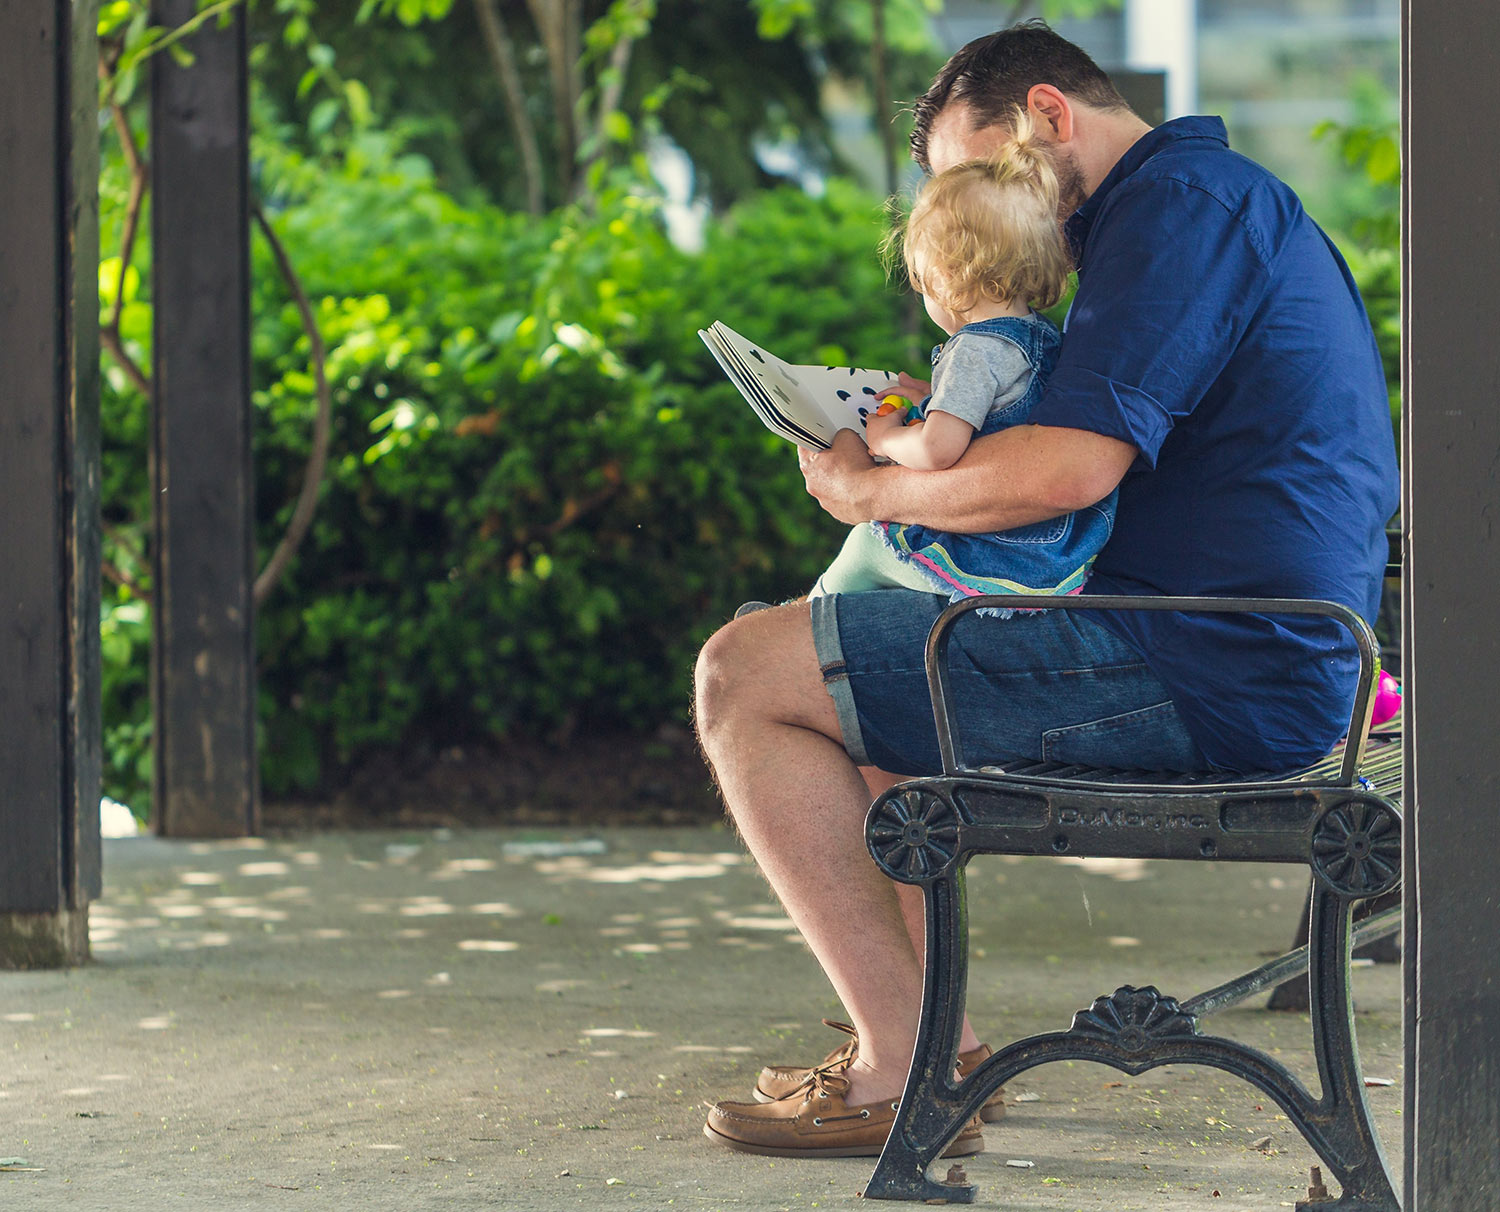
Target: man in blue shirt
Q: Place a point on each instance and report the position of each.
(1219, 370)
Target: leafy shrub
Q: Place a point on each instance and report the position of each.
(542, 494)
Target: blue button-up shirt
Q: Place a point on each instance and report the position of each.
(1218, 331)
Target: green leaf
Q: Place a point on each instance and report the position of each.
(324, 114)
(777, 18)
(1383, 166)
(114, 15)
(1057, 10)
(125, 81)
(617, 127)
(109, 281)
(358, 97)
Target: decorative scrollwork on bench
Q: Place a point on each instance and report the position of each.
(1356, 849)
(914, 836)
(1133, 1019)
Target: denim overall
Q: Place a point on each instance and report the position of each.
(1045, 557)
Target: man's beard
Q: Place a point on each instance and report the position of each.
(1072, 190)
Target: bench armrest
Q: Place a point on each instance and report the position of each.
(1364, 639)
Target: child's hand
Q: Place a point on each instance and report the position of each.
(880, 425)
(915, 390)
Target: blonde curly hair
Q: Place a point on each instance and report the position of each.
(989, 229)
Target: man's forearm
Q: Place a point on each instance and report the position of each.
(1012, 478)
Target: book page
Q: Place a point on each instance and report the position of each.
(756, 394)
(806, 403)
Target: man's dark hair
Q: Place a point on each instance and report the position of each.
(993, 74)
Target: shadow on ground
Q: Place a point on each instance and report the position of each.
(596, 778)
(532, 1018)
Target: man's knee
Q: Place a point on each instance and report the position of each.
(760, 669)
(718, 679)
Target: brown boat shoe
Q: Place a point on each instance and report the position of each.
(778, 1081)
(816, 1121)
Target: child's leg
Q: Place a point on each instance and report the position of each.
(866, 563)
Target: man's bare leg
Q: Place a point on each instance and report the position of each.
(770, 732)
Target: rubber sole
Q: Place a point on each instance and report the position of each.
(990, 1113)
(959, 1148)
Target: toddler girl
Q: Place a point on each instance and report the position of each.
(983, 246)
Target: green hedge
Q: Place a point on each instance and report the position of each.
(542, 494)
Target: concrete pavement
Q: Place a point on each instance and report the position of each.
(504, 1019)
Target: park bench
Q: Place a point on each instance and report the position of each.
(1340, 816)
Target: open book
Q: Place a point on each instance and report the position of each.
(804, 404)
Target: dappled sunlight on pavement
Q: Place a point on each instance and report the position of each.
(509, 1019)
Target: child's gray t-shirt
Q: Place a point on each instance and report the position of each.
(978, 374)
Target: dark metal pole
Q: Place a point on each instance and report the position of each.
(1451, 449)
(203, 673)
(49, 482)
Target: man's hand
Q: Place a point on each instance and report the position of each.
(836, 476)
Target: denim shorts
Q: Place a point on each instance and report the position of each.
(1050, 685)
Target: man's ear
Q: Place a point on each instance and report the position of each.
(1052, 111)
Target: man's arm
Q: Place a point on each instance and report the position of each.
(1024, 474)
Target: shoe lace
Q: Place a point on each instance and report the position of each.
(827, 1078)
(846, 1054)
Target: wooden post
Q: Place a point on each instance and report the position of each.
(203, 673)
(49, 482)
(1451, 468)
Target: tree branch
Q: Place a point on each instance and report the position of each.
(118, 575)
(110, 339)
(552, 18)
(503, 53)
(317, 462)
(140, 174)
(884, 117)
(573, 50)
(609, 101)
(575, 509)
(130, 59)
(619, 64)
(139, 178)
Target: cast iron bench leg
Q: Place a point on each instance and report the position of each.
(1352, 1148)
(1292, 995)
(1133, 1030)
(933, 1107)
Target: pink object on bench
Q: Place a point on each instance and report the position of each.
(1387, 699)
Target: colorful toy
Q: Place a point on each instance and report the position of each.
(1387, 699)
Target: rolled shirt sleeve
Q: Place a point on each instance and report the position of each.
(1171, 280)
